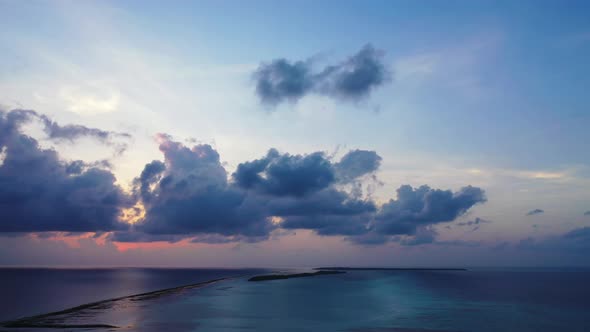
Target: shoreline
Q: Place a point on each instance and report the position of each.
(338, 268)
(52, 319)
(267, 277)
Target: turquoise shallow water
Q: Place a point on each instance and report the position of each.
(476, 300)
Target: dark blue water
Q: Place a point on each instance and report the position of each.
(25, 292)
(512, 300)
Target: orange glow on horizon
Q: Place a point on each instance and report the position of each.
(124, 246)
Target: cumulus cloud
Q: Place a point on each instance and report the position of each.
(357, 163)
(356, 77)
(334, 212)
(535, 211)
(149, 176)
(39, 192)
(424, 206)
(190, 195)
(298, 175)
(301, 190)
(282, 80)
(283, 175)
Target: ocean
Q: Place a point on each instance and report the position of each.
(374, 301)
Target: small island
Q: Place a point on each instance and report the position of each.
(295, 275)
(338, 268)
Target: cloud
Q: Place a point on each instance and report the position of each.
(353, 79)
(149, 176)
(16, 118)
(476, 221)
(424, 206)
(369, 239)
(576, 241)
(357, 163)
(283, 175)
(299, 175)
(189, 194)
(422, 235)
(282, 80)
(39, 192)
(355, 222)
(587, 213)
(535, 211)
(301, 190)
(330, 212)
(131, 236)
(458, 243)
(340, 213)
(356, 77)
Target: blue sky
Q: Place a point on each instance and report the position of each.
(487, 94)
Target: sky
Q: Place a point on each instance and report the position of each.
(276, 134)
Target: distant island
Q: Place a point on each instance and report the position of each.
(295, 275)
(338, 268)
(343, 269)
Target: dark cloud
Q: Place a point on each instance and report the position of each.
(325, 202)
(282, 80)
(332, 212)
(283, 175)
(476, 221)
(576, 241)
(353, 79)
(349, 225)
(219, 239)
(458, 243)
(15, 118)
(587, 213)
(133, 236)
(424, 206)
(300, 189)
(535, 211)
(39, 192)
(189, 194)
(357, 163)
(149, 176)
(299, 175)
(356, 77)
(422, 235)
(77, 167)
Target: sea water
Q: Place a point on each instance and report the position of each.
(474, 300)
